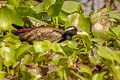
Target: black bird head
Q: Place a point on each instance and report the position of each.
(69, 33)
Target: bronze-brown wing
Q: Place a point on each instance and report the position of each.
(41, 34)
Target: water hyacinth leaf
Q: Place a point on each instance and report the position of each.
(78, 20)
(6, 19)
(48, 3)
(27, 59)
(114, 14)
(98, 76)
(56, 59)
(36, 22)
(115, 31)
(42, 46)
(39, 8)
(21, 50)
(26, 75)
(85, 69)
(116, 56)
(115, 72)
(54, 10)
(60, 72)
(8, 54)
(1, 64)
(105, 52)
(14, 2)
(13, 42)
(99, 28)
(118, 69)
(31, 72)
(37, 46)
(63, 15)
(56, 47)
(46, 45)
(70, 44)
(2, 74)
(25, 11)
(70, 9)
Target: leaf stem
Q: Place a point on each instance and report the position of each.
(114, 71)
(57, 22)
(8, 69)
(82, 78)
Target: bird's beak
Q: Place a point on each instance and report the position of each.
(81, 33)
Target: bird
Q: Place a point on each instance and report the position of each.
(45, 33)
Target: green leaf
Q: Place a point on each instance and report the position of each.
(85, 69)
(98, 76)
(115, 72)
(36, 21)
(14, 2)
(79, 21)
(37, 46)
(56, 47)
(8, 54)
(25, 11)
(7, 17)
(118, 69)
(116, 56)
(63, 15)
(21, 50)
(2, 74)
(1, 64)
(42, 46)
(54, 10)
(105, 52)
(39, 8)
(46, 45)
(48, 3)
(70, 9)
(56, 59)
(118, 1)
(114, 14)
(27, 59)
(70, 44)
(115, 31)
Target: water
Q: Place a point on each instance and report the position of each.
(88, 5)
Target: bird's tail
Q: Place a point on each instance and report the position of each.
(20, 29)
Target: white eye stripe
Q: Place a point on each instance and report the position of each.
(69, 29)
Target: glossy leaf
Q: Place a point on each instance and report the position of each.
(78, 20)
(116, 32)
(48, 3)
(7, 17)
(39, 8)
(63, 15)
(14, 2)
(8, 54)
(114, 14)
(21, 50)
(70, 9)
(105, 52)
(56, 47)
(116, 56)
(54, 10)
(115, 72)
(42, 46)
(2, 74)
(85, 69)
(98, 76)
(70, 44)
